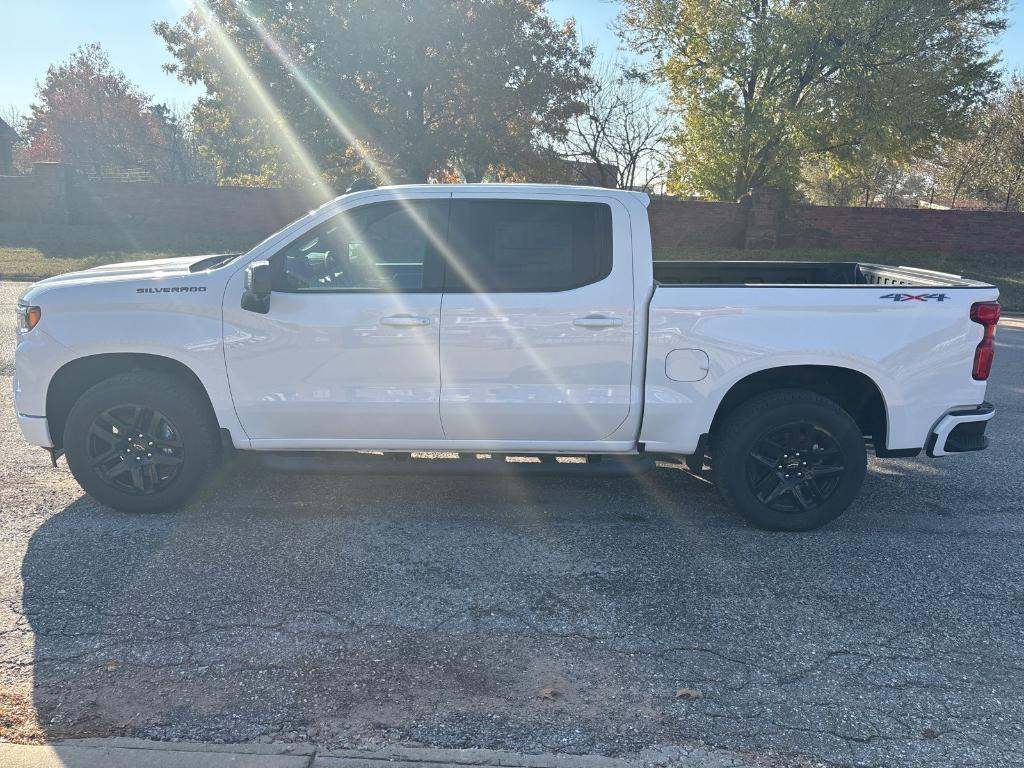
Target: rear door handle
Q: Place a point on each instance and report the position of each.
(597, 321)
(405, 320)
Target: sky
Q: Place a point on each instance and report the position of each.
(38, 33)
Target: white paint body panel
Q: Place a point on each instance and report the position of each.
(324, 366)
(101, 311)
(918, 354)
(551, 367)
(497, 372)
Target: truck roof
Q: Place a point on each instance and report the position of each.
(504, 189)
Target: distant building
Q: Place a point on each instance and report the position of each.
(7, 138)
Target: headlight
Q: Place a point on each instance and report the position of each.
(28, 317)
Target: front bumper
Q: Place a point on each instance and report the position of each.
(961, 430)
(36, 430)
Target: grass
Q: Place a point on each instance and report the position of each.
(34, 251)
(1004, 270)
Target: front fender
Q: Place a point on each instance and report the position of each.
(189, 333)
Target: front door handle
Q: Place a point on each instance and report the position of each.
(405, 320)
(597, 321)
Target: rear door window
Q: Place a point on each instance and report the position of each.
(527, 246)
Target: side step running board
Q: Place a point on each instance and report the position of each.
(402, 464)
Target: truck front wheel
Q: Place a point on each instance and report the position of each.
(140, 441)
(789, 460)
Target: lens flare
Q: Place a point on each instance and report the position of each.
(345, 125)
(347, 129)
(262, 102)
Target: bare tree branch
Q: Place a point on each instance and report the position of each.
(622, 132)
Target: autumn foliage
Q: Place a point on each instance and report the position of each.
(91, 115)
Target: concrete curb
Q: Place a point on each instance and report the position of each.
(122, 752)
(126, 742)
(69, 755)
(402, 757)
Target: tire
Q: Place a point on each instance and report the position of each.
(820, 449)
(154, 469)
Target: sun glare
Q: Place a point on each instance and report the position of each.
(325, 103)
(262, 102)
(334, 112)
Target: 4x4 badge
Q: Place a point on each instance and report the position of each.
(915, 296)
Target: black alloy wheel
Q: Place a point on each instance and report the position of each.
(142, 441)
(795, 468)
(789, 460)
(135, 449)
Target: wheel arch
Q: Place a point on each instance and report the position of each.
(852, 390)
(75, 377)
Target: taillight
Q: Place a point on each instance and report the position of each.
(985, 313)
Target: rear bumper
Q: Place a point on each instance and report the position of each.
(36, 430)
(961, 430)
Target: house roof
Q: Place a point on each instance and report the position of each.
(8, 133)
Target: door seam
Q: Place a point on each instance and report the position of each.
(440, 312)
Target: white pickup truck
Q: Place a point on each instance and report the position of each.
(510, 319)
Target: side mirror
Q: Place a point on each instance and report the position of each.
(256, 297)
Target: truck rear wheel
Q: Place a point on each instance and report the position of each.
(790, 460)
(140, 441)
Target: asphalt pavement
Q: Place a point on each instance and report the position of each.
(539, 615)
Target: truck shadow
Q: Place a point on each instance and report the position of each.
(152, 624)
(417, 608)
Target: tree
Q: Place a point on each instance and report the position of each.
(961, 166)
(988, 164)
(761, 85)
(621, 133)
(408, 88)
(181, 158)
(1008, 137)
(89, 114)
(865, 180)
(16, 119)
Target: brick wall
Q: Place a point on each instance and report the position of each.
(686, 223)
(55, 194)
(229, 210)
(17, 198)
(872, 229)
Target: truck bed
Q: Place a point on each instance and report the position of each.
(836, 273)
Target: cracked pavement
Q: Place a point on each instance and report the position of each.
(527, 614)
